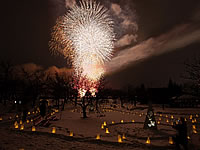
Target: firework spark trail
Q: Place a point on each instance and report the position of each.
(85, 35)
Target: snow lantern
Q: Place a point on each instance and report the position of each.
(16, 125)
(194, 131)
(119, 139)
(171, 140)
(20, 122)
(176, 121)
(53, 130)
(71, 133)
(102, 126)
(107, 131)
(98, 137)
(123, 136)
(148, 141)
(33, 128)
(22, 127)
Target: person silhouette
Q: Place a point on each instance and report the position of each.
(43, 108)
(181, 137)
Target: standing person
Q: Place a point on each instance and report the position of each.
(25, 111)
(181, 137)
(43, 108)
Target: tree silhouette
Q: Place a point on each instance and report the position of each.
(59, 88)
(7, 84)
(33, 82)
(192, 70)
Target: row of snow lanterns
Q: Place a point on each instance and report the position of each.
(34, 128)
(123, 137)
(120, 138)
(54, 131)
(35, 112)
(148, 141)
(17, 116)
(193, 120)
(27, 121)
(16, 126)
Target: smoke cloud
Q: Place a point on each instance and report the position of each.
(178, 37)
(70, 3)
(116, 8)
(61, 71)
(125, 23)
(126, 40)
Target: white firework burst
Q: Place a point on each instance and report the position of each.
(90, 29)
(85, 34)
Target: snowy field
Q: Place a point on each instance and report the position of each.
(75, 133)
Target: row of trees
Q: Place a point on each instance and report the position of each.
(30, 82)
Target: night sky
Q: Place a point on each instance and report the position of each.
(155, 36)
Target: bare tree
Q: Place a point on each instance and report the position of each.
(59, 88)
(6, 79)
(192, 69)
(83, 101)
(101, 92)
(33, 81)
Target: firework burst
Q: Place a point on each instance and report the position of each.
(85, 35)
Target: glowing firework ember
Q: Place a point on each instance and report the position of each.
(85, 35)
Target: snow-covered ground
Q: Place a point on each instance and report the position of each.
(86, 130)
